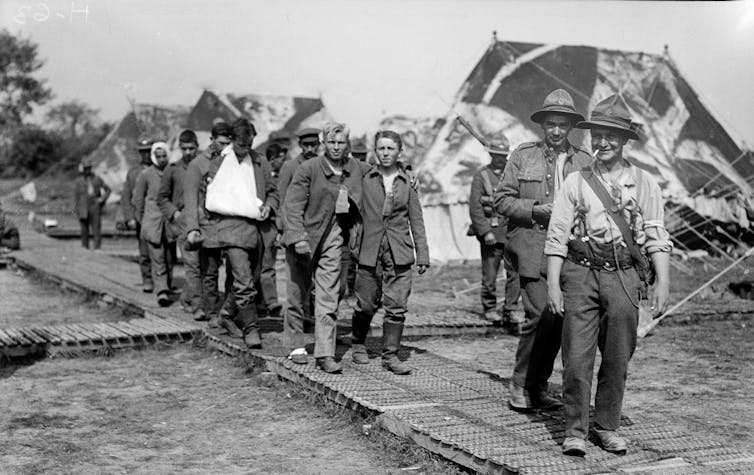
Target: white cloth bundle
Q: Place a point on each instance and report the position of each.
(233, 190)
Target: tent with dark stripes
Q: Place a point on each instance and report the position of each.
(117, 152)
(701, 169)
(268, 113)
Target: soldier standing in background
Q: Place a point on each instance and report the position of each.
(91, 193)
(127, 208)
(491, 229)
(531, 179)
(170, 202)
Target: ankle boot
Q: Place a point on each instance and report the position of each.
(391, 341)
(359, 329)
(247, 319)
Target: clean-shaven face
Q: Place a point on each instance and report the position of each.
(556, 128)
(336, 146)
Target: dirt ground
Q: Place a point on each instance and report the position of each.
(180, 410)
(27, 301)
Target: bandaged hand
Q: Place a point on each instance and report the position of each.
(302, 248)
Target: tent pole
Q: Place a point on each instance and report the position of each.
(643, 331)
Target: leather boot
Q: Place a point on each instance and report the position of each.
(359, 329)
(247, 319)
(391, 341)
(329, 365)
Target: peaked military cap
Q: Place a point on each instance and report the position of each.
(557, 102)
(308, 133)
(498, 143)
(144, 144)
(279, 136)
(611, 113)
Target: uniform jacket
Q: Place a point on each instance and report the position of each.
(284, 179)
(404, 221)
(126, 205)
(83, 202)
(144, 200)
(480, 223)
(226, 231)
(170, 199)
(310, 200)
(528, 179)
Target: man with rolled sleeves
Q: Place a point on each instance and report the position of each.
(491, 230)
(298, 313)
(144, 148)
(321, 207)
(170, 202)
(530, 181)
(596, 249)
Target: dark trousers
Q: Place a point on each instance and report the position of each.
(350, 274)
(598, 314)
(191, 297)
(387, 283)
(144, 261)
(539, 340)
(93, 221)
(267, 276)
(210, 260)
(162, 257)
(492, 256)
(297, 318)
(242, 263)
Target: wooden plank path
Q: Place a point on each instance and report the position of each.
(100, 276)
(460, 413)
(447, 407)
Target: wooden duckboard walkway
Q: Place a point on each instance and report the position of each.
(115, 280)
(91, 337)
(460, 413)
(444, 406)
(99, 276)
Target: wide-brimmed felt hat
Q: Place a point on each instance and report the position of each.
(498, 143)
(557, 102)
(611, 113)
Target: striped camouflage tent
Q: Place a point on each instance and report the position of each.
(269, 114)
(703, 172)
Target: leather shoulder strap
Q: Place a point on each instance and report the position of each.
(486, 183)
(610, 207)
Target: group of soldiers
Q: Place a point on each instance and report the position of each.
(581, 236)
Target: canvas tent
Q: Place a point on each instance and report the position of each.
(117, 152)
(268, 113)
(701, 169)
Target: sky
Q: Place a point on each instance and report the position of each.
(366, 58)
